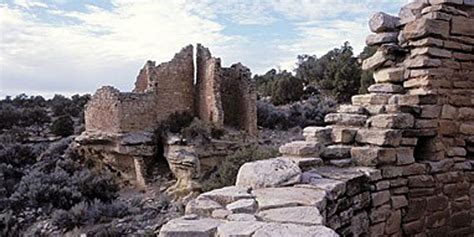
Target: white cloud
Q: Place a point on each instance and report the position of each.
(30, 4)
(44, 48)
(102, 46)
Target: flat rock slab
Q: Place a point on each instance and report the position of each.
(190, 228)
(268, 173)
(305, 163)
(293, 215)
(228, 195)
(202, 207)
(302, 148)
(243, 206)
(343, 174)
(269, 198)
(239, 228)
(241, 217)
(286, 230)
(333, 188)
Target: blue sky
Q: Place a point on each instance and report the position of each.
(76, 46)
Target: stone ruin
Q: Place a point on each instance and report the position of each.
(396, 162)
(120, 126)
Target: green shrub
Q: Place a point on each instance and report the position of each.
(286, 89)
(201, 130)
(176, 122)
(63, 126)
(226, 172)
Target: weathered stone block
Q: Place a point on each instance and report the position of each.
(467, 129)
(351, 109)
(318, 134)
(421, 181)
(411, 11)
(346, 119)
(394, 222)
(382, 38)
(389, 75)
(202, 207)
(302, 148)
(405, 156)
(437, 203)
(380, 214)
(399, 201)
(430, 111)
(387, 137)
(466, 113)
(431, 51)
(399, 120)
(293, 215)
(382, 22)
(424, 27)
(268, 173)
(462, 26)
(372, 156)
(183, 227)
(370, 99)
(385, 88)
(343, 135)
(243, 206)
(336, 152)
(385, 55)
(380, 198)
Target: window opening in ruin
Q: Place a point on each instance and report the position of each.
(425, 149)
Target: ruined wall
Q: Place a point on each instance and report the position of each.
(175, 85)
(112, 111)
(238, 94)
(416, 124)
(208, 84)
(102, 111)
(159, 92)
(145, 77)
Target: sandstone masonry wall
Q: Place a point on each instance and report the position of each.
(208, 87)
(240, 113)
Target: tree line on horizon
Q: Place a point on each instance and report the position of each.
(337, 74)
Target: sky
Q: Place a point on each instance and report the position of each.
(66, 47)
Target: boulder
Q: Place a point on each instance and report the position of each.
(268, 173)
